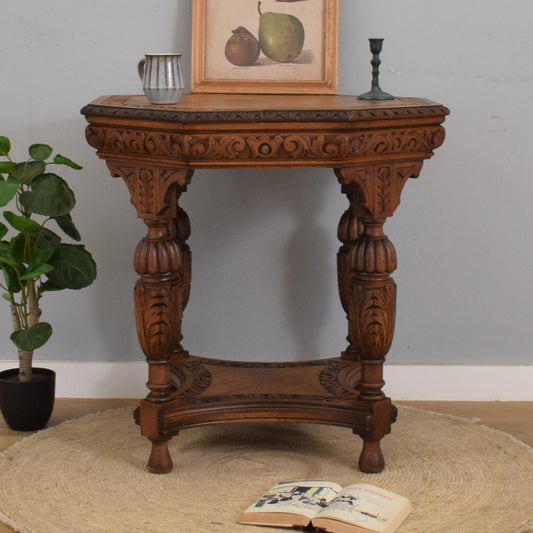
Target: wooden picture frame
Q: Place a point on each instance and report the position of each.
(312, 70)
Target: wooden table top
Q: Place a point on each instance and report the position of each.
(199, 107)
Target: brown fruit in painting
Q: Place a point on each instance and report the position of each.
(242, 48)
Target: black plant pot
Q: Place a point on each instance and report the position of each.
(27, 406)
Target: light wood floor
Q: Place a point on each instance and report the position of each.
(515, 418)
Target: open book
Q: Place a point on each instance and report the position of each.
(358, 508)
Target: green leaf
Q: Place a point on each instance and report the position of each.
(40, 152)
(23, 224)
(8, 189)
(25, 172)
(3, 230)
(49, 196)
(37, 248)
(66, 224)
(6, 255)
(37, 271)
(12, 281)
(74, 267)
(5, 145)
(44, 245)
(61, 160)
(17, 248)
(7, 166)
(30, 339)
(7, 296)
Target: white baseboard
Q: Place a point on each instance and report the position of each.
(404, 382)
(96, 379)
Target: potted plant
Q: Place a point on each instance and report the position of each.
(34, 260)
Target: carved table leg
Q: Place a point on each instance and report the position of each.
(162, 259)
(368, 292)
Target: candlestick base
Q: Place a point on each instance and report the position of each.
(376, 94)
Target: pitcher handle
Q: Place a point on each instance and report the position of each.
(140, 68)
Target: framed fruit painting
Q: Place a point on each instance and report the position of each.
(265, 46)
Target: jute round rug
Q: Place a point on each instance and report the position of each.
(88, 475)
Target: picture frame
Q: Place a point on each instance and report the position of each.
(295, 50)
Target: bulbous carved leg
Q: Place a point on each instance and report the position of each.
(366, 261)
(163, 262)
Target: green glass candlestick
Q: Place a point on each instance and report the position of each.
(375, 92)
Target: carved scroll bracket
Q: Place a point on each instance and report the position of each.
(154, 189)
(376, 188)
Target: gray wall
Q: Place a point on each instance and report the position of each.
(264, 242)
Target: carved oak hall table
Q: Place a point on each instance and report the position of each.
(373, 147)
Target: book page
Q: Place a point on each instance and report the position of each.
(367, 506)
(298, 497)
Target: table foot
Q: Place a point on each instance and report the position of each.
(160, 461)
(371, 460)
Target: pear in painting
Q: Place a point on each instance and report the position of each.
(281, 36)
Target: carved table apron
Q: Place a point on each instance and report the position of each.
(373, 147)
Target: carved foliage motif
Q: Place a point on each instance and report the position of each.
(154, 190)
(372, 316)
(376, 188)
(198, 380)
(163, 260)
(329, 380)
(276, 146)
(158, 312)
